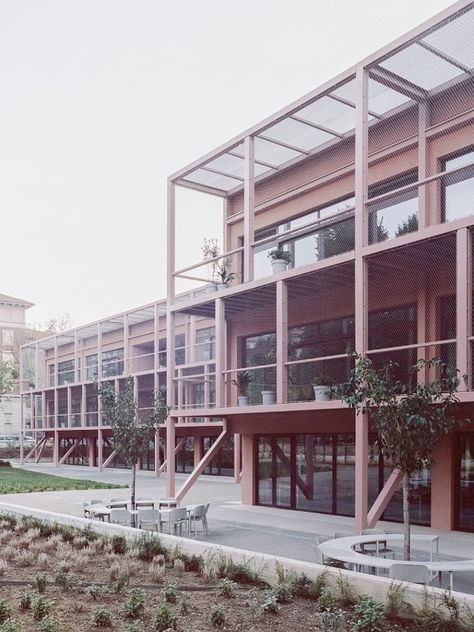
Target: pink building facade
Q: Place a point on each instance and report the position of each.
(367, 185)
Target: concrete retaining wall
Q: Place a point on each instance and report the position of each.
(265, 565)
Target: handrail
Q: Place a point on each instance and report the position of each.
(203, 263)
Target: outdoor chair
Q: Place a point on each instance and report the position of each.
(408, 572)
(168, 503)
(175, 518)
(117, 503)
(320, 557)
(196, 514)
(342, 534)
(120, 516)
(144, 502)
(372, 548)
(87, 507)
(148, 517)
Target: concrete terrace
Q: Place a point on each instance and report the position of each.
(261, 529)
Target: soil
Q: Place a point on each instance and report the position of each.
(93, 563)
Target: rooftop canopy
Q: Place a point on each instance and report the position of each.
(414, 68)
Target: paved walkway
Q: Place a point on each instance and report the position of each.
(263, 529)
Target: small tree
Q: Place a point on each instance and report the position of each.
(409, 419)
(8, 377)
(132, 431)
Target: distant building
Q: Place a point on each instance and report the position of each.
(13, 334)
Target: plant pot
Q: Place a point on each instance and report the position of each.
(268, 397)
(212, 287)
(243, 400)
(320, 393)
(222, 286)
(279, 265)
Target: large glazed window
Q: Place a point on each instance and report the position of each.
(112, 363)
(393, 215)
(318, 234)
(66, 372)
(204, 347)
(465, 480)
(258, 351)
(458, 188)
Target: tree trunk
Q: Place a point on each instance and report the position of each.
(134, 475)
(406, 517)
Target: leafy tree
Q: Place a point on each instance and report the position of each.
(8, 377)
(409, 419)
(132, 429)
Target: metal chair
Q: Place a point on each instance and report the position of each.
(175, 518)
(87, 507)
(376, 548)
(168, 503)
(117, 503)
(196, 514)
(144, 502)
(320, 558)
(120, 516)
(148, 517)
(342, 534)
(409, 572)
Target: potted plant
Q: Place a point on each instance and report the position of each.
(321, 385)
(242, 382)
(223, 274)
(268, 397)
(210, 250)
(279, 259)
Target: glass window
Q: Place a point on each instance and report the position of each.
(313, 244)
(91, 367)
(51, 369)
(314, 473)
(394, 215)
(458, 189)
(257, 351)
(465, 476)
(112, 363)
(204, 346)
(7, 337)
(66, 372)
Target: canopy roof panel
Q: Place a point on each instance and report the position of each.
(423, 63)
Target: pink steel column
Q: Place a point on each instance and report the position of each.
(69, 405)
(237, 458)
(249, 207)
(361, 306)
(127, 365)
(423, 123)
(220, 353)
(170, 343)
(463, 302)
(281, 342)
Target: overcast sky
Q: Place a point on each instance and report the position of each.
(102, 99)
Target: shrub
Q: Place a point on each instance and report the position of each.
(226, 588)
(49, 624)
(370, 615)
(3, 566)
(102, 617)
(347, 596)
(170, 592)
(270, 604)
(25, 601)
(326, 601)
(4, 463)
(184, 604)
(135, 626)
(63, 580)
(5, 610)
(94, 591)
(67, 534)
(121, 582)
(39, 582)
(149, 546)
(135, 604)
(282, 592)
(157, 572)
(43, 561)
(179, 566)
(242, 574)
(217, 616)
(193, 563)
(394, 599)
(332, 621)
(11, 625)
(41, 608)
(119, 544)
(164, 619)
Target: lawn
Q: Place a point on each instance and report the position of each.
(18, 481)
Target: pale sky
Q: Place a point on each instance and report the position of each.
(102, 99)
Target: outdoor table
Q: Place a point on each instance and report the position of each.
(343, 549)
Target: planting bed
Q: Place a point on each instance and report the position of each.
(56, 578)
